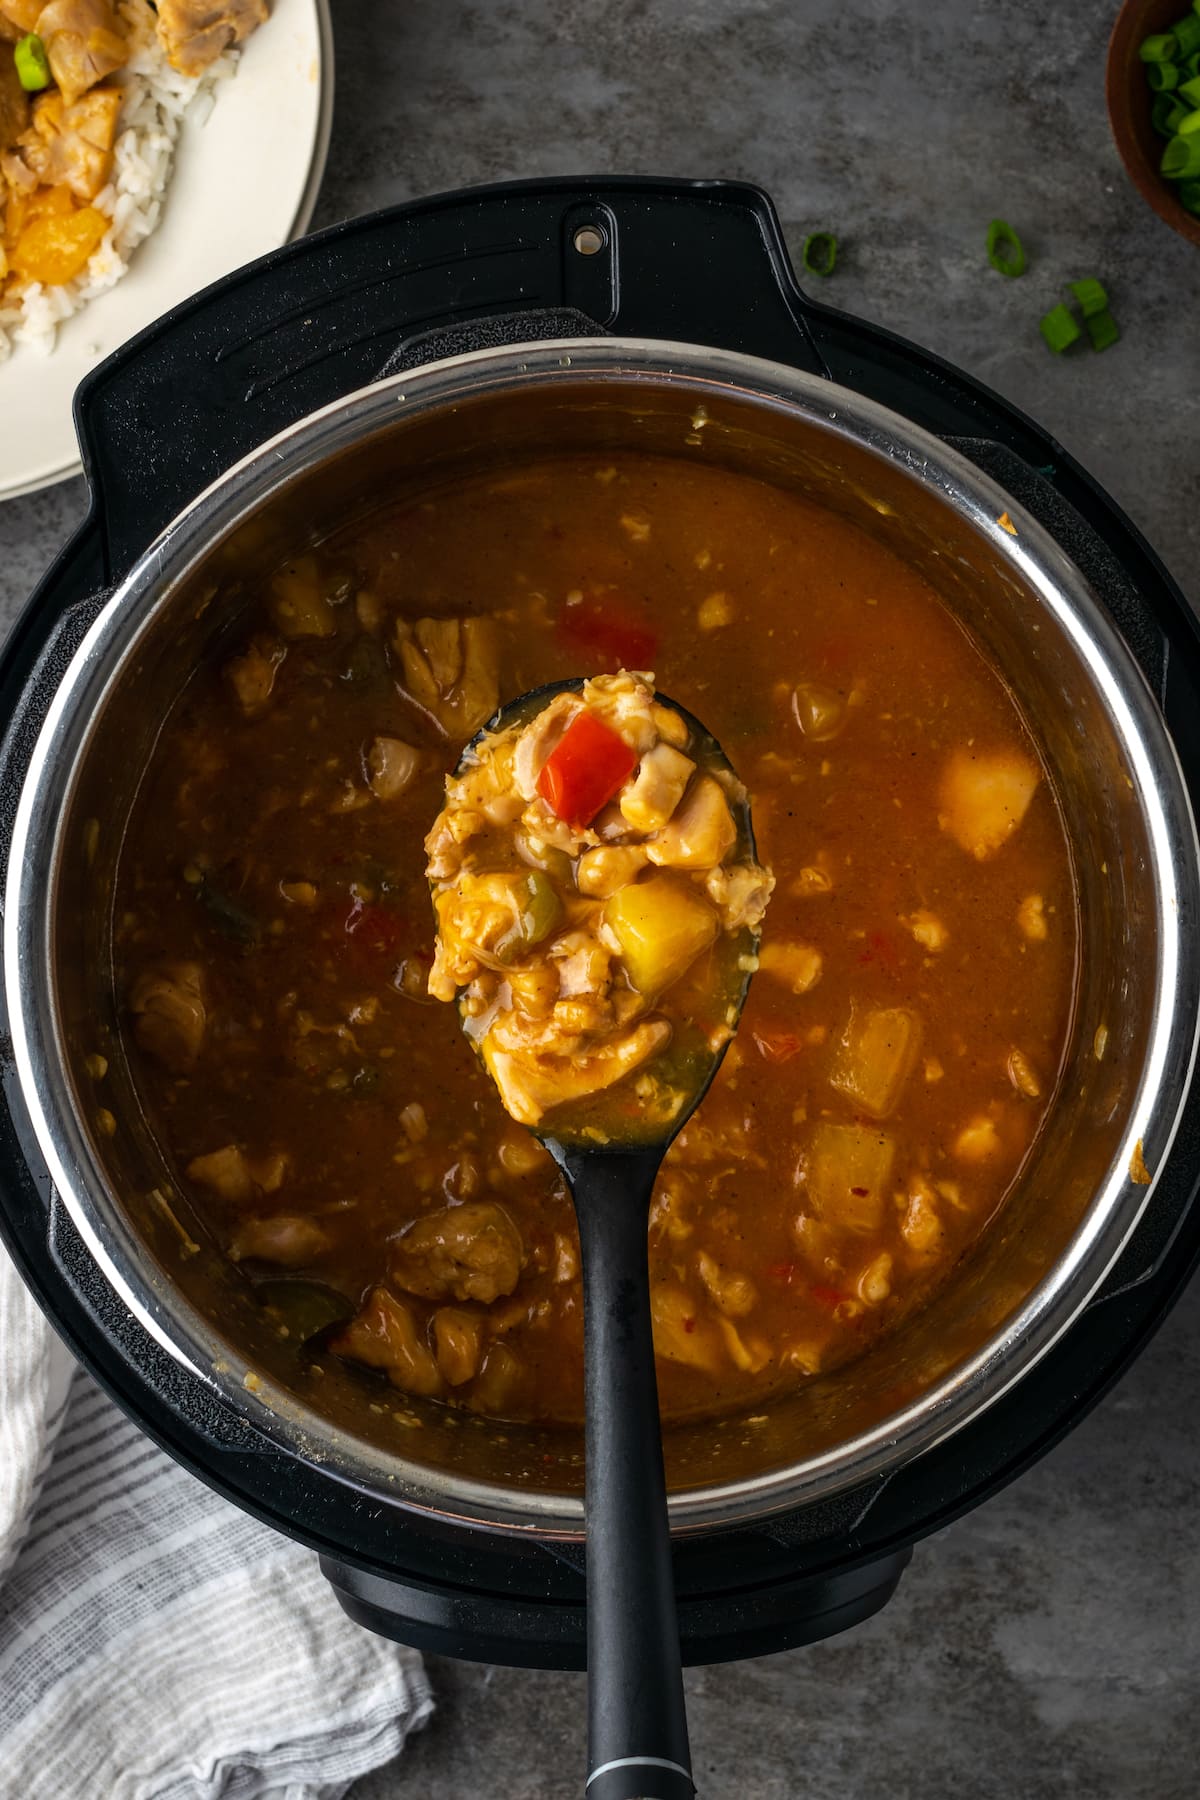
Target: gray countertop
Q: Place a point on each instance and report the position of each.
(1049, 1644)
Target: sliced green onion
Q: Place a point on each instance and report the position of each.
(1162, 77)
(1005, 251)
(1187, 36)
(1090, 295)
(1189, 195)
(1166, 114)
(1191, 64)
(1190, 91)
(819, 253)
(1189, 125)
(1059, 329)
(1102, 329)
(1181, 158)
(33, 67)
(1159, 48)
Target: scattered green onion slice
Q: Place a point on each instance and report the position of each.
(1191, 64)
(1159, 48)
(1190, 91)
(819, 254)
(1189, 125)
(1102, 329)
(1189, 195)
(1059, 329)
(1165, 116)
(1181, 158)
(1162, 77)
(1090, 295)
(1187, 36)
(1005, 251)
(33, 67)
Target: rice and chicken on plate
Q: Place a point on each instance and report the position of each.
(92, 97)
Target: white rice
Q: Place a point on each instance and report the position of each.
(156, 99)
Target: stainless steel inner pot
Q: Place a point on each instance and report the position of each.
(1134, 1033)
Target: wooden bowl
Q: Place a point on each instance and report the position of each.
(1129, 101)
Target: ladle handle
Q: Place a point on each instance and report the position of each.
(637, 1723)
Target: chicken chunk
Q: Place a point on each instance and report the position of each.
(72, 145)
(252, 674)
(195, 32)
(288, 1239)
(977, 1141)
(1031, 919)
(384, 1335)
(458, 1339)
(648, 800)
(983, 797)
(732, 1293)
(20, 15)
(530, 1083)
(927, 929)
(298, 603)
(470, 1252)
(538, 739)
(701, 831)
(84, 43)
(234, 1176)
(740, 893)
(452, 670)
(498, 1381)
(602, 871)
(681, 1335)
(797, 966)
(921, 1226)
(169, 1014)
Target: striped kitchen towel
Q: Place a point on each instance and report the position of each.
(156, 1643)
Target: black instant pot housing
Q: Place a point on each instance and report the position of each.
(698, 262)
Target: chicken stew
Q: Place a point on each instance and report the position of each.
(273, 936)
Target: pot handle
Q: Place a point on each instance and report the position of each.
(701, 262)
(28, 683)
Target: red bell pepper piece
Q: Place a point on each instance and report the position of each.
(776, 1046)
(826, 1296)
(608, 634)
(367, 929)
(587, 766)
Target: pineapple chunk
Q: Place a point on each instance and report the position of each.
(662, 925)
(875, 1056)
(700, 831)
(849, 1173)
(983, 797)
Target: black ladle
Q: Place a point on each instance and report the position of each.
(637, 1720)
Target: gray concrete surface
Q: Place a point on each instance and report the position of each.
(1050, 1644)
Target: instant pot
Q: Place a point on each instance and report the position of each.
(653, 314)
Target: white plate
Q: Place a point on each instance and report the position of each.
(244, 182)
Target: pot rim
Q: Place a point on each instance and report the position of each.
(35, 859)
